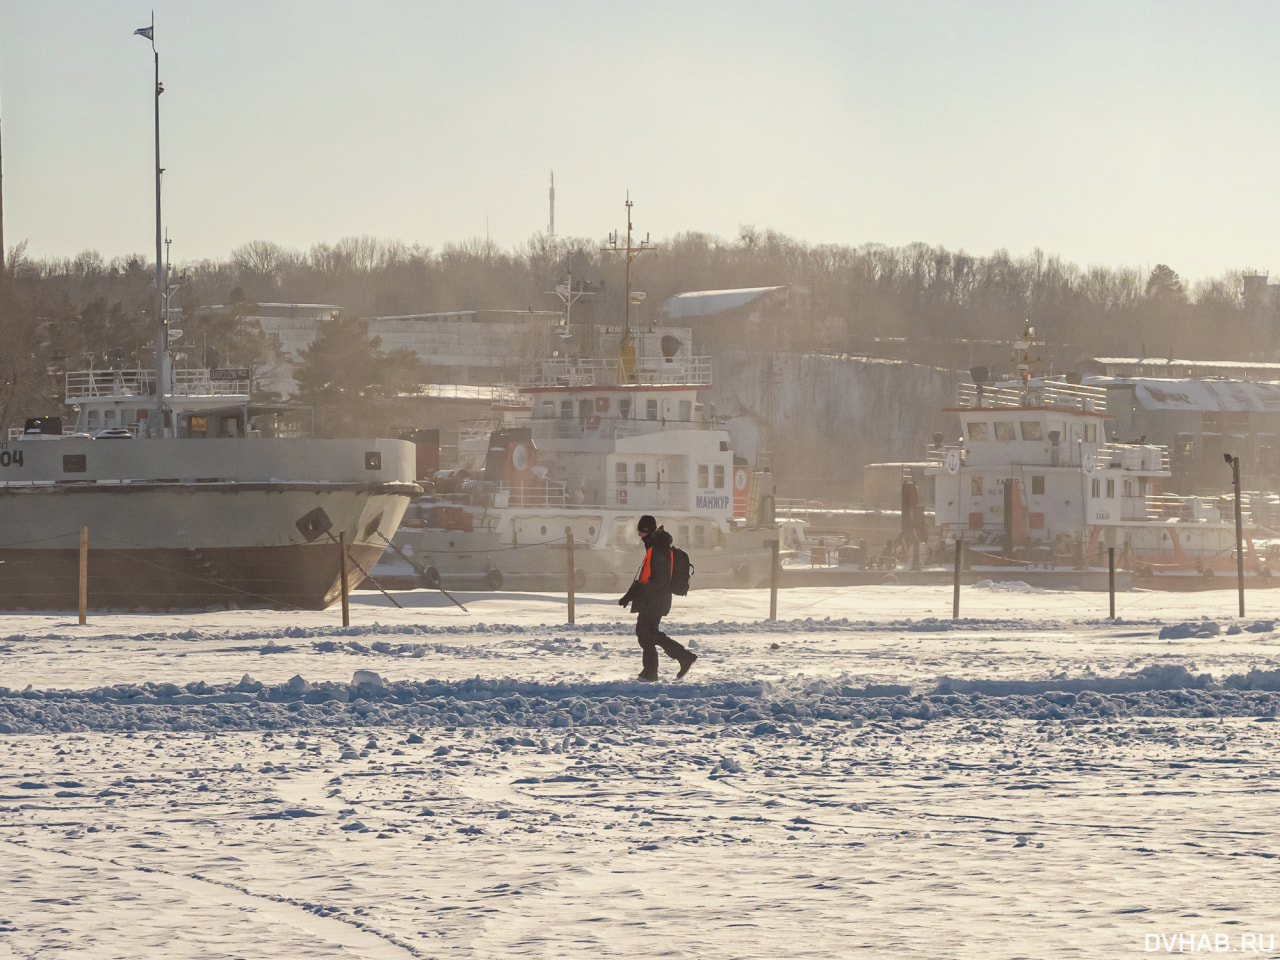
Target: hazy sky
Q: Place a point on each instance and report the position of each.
(1120, 133)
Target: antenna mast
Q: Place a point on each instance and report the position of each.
(551, 230)
(162, 338)
(626, 348)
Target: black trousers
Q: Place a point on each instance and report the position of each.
(651, 637)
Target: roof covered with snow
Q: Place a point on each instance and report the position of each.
(705, 303)
(1204, 395)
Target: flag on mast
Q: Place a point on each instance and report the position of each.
(148, 32)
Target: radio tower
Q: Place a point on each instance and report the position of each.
(551, 230)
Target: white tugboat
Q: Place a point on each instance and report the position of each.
(1034, 481)
(192, 496)
(587, 446)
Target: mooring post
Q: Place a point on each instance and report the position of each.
(568, 537)
(1111, 578)
(955, 585)
(774, 570)
(84, 574)
(342, 578)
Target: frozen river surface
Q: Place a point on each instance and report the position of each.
(863, 776)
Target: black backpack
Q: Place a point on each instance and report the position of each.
(681, 571)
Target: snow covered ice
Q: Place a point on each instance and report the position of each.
(863, 776)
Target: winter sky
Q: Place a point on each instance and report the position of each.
(1111, 134)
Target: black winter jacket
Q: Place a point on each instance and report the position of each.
(651, 591)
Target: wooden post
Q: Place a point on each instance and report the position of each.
(1111, 578)
(955, 586)
(84, 574)
(774, 571)
(342, 576)
(568, 555)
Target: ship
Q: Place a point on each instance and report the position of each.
(173, 491)
(1035, 482)
(571, 457)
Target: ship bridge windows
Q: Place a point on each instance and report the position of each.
(718, 474)
(640, 472)
(1095, 489)
(620, 474)
(1031, 430)
(1004, 431)
(566, 409)
(704, 476)
(979, 430)
(651, 408)
(624, 408)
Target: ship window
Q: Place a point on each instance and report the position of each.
(1128, 488)
(1111, 488)
(1030, 430)
(93, 417)
(979, 430)
(699, 536)
(621, 474)
(640, 474)
(1091, 432)
(584, 409)
(704, 475)
(686, 409)
(624, 408)
(1037, 485)
(1097, 487)
(651, 408)
(548, 408)
(975, 486)
(566, 409)
(108, 416)
(719, 475)
(1004, 430)
(684, 532)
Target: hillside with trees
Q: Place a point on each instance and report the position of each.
(924, 303)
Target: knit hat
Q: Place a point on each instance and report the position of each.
(647, 524)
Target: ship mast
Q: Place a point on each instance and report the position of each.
(162, 339)
(626, 348)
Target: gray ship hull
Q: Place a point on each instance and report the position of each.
(196, 524)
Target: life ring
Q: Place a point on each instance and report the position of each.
(431, 577)
(579, 578)
(953, 461)
(493, 579)
(1208, 576)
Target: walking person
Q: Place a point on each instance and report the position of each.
(650, 598)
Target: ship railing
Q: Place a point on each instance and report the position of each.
(1136, 457)
(93, 384)
(648, 496)
(589, 428)
(1041, 393)
(614, 372)
(1168, 506)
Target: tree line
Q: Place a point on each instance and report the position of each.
(69, 313)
